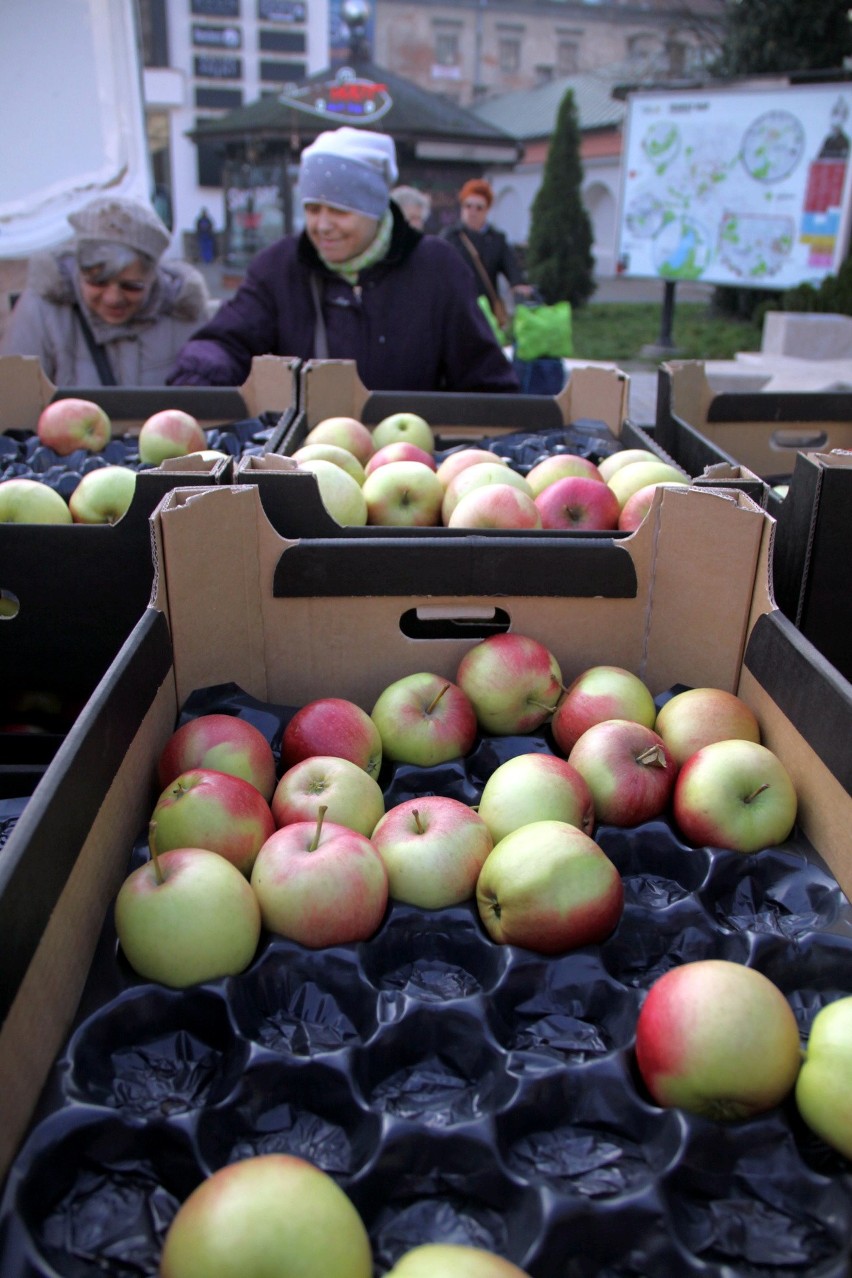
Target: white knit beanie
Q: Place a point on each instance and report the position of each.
(349, 169)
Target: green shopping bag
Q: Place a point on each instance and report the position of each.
(543, 331)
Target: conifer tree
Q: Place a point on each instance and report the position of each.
(559, 255)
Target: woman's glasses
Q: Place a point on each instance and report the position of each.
(475, 204)
(132, 287)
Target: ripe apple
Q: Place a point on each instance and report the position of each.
(170, 433)
(403, 494)
(350, 795)
(576, 501)
(409, 427)
(548, 887)
(332, 453)
(560, 466)
(629, 479)
(609, 465)
(493, 472)
(699, 716)
(433, 848)
(320, 883)
(453, 1260)
(736, 795)
(28, 501)
(333, 725)
(535, 787)
(628, 768)
(718, 1039)
(221, 742)
(399, 451)
(513, 681)
(103, 496)
(424, 719)
(461, 458)
(271, 1214)
(496, 506)
(823, 1094)
(342, 496)
(345, 432)
(186, 916)
(638, 504)
(68, 424)
(599, 693)
(213, 810)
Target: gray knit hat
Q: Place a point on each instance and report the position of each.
(110, 220)
(349, 169)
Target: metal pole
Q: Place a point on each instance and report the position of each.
(667, 317)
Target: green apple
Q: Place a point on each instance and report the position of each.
(424, 719)
(403, 494)
(609, 465)
(266, 1217)
(342, 496)
(341, 457)
(206, 809)
(601, 692)
(824, 1085)
(736, 795)
(451, 1260)
(103, 496)
(483, 473)
(353, 798)
(535, 787)
(433, 848)
(717, 1038)
(345, 432)
(513, 681)
(560, 466)
(461, 458)
(696, 718)
(407, 428)
(26, 501)
(170, 433)
(629, 479)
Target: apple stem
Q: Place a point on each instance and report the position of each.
(314, 843)
(653, 757)
(755, 793)
(417, 822)
(541, 705)
(436, 699)
(152, 848)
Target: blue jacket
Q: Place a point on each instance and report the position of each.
(411, 323)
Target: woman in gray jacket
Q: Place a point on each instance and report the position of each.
(107, 310)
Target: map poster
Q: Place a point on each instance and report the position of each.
(746, 187)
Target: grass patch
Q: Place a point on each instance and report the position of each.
(618, 331)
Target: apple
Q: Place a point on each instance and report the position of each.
(342, 496)
(409, 427)
(628, 769)
(346, 432)
(609, 465)
(213, 810)
(718, 1039)
(599, 693)
(548, 887)
(493, 472)
(433, 848)
(823, 1094)
(333, 725)
(639, 503)
(629, 479)
(399, 451)
(513, 681)
(560, 466)
(459, 460)
(103, 495)
(186, 916)
(535, 787)
(736, 795)
(27, 501)
(68, 424)
(699, 716)
(576, 501)
(170, 433)
(351, 796)
(424, 719)
(270, 1214)
(453, 1260)
(403, 494)
(221, 742)
(332, 453)
(496, 506)
(320, 883)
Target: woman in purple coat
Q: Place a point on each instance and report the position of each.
(359, 283)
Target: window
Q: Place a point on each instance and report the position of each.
(446, 48)
(283, 72)
(509, 53)
(566, 57)
(218, 99)
(282, 41)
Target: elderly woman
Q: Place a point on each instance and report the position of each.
(359, 284)
(108, 310)
(416, 205)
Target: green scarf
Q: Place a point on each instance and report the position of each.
(374, 252)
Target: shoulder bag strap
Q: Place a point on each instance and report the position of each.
(320, 334)
(482, 273)
(97, 353)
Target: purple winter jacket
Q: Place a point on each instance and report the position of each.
(412, 322)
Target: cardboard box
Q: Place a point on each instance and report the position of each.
(686, 599)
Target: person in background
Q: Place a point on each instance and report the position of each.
(106, 309)
(416, 205)
(485, 249)
(357, 284)
(205, 237)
